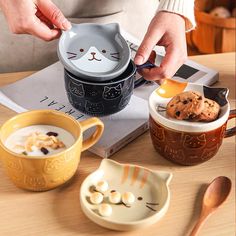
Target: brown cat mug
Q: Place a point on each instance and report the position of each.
(184, 142)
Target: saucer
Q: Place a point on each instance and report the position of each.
(150, 188)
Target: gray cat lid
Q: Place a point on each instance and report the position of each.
(94, 52)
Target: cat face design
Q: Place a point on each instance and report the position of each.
(111, 93)
(94, 56)
(158, 132)
(194, 142)
(94, 107)
(76, 89)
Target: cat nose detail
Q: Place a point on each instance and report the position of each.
(93, 53)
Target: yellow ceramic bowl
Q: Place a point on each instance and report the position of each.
(46, 172)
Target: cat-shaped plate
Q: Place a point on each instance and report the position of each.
(150, 188)
(94, 52)
(159, 99)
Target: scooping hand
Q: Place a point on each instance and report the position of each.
(168, 30)
(40, 18)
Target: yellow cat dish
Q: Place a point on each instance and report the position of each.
(143, 195)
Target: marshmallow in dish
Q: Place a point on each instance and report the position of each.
(105, 209)
(39, 140)
(102, 186)
(128, 198)
(96, 198)
(103, 198)
(114, 197)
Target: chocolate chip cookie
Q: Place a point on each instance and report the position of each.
(186, 105)
(210, 112)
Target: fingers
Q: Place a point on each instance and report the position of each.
(152, 57)
(42, 31)
(173, 59)
(44, 19)
(52, 12)
(145, 72)
(150, 40)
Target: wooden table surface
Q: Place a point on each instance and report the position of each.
(58, 212)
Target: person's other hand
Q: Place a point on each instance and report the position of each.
(40, 18)
(168, 30)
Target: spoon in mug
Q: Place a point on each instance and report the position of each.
(215, 195)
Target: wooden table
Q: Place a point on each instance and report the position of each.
(58, 212)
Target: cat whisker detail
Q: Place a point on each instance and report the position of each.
(161, 108)
(72, 53)
(115, 57)
(71, 57)
(121, 203)
(150, 208)
(151, 203)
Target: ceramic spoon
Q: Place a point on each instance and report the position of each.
(215, 195)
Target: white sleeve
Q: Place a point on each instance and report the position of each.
(181, 7)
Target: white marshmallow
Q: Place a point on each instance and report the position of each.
(105, 209)
(102, 186)
(96, 198)
(115, 197)
(128, 198)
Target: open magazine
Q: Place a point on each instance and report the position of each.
(45, 90)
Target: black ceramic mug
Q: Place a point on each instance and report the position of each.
(102, 98)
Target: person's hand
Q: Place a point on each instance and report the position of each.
(40, 18)
(168, 30)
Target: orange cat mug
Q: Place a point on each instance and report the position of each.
(41, 173)
(185, 142)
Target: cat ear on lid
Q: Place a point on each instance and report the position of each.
(118, 86)
(106, 89)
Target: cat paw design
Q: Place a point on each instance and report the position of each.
(174, 154)
(35, 182)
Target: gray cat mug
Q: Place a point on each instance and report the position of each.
(102, 98)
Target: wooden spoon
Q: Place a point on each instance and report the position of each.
(216, 194)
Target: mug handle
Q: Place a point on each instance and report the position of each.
(232, 131)
(87, 124)
(141, 80)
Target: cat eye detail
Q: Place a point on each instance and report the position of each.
(140, 198)
(104, 51)
(81, 50)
